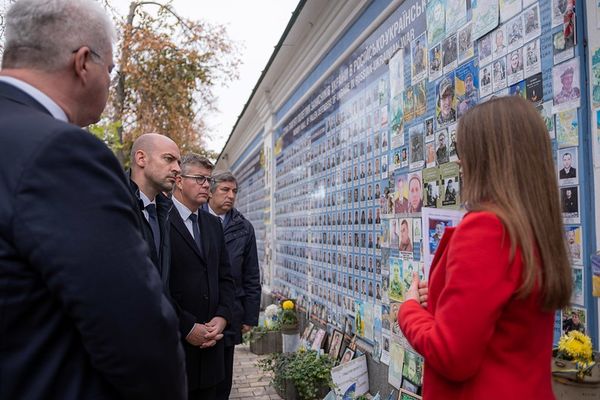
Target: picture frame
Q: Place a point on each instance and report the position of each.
(335, 345)
(348, 355)
(406, 395)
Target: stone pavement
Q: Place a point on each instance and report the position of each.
(249, 382)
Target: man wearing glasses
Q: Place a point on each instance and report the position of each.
(83, 314)
(200, 281)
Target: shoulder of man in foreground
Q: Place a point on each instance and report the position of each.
(74, 223)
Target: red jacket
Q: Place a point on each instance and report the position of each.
(478, 340)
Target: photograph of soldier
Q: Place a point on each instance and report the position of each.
(419, 59)
(485, 81)
(515, 66)
(466, 87)
(429, 135)
(465, 44)
(565, 79)
(445, 110)
(499, 42)
(499, 74)
(485, 49)
(435, 62)
(568, 159)
(441, 151)
(515, 33)
(532, 22)
(450, 53)
(569, 201)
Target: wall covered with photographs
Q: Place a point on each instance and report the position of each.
(365, 178)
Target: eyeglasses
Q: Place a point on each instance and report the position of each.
(200, 179)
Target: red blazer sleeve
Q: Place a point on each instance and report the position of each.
(479, 282)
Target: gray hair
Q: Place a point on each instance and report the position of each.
(42, 34)
(194, 160)
(220, 177)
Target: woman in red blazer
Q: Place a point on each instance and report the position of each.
(484, 323)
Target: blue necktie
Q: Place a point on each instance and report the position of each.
(153, 221)
(196, 230)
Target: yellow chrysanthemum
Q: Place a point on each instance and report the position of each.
(578, 346)
(287, 305)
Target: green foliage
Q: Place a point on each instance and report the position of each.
(307, 370)
(257, 333)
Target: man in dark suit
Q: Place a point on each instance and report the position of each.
(568, 171)
(201, 283)
(240, 241)
(83, 312)
(154, 167)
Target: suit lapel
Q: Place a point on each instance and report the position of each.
(180, 227)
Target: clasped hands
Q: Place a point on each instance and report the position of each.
(417, 291)
(206, 335)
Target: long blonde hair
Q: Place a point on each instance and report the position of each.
(508, 169)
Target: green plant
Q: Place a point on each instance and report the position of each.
(288, 315)
(258, 332)
(307, 370)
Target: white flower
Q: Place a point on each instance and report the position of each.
(272, 311)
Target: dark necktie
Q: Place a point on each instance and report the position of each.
(153, 221)
(196, 230)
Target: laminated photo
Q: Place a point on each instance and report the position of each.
(485, 17)
(465, 44)
(567, 163)
(514, 30)
(449, 184)
(562, 49)
(467, 84)
(566, 85)
(435, 62)
(431, 187)
(577, 296)
(499, 74)
(531, 22)
(418, 51)
(445, 101)
(508, 9)
(436, 21)
(532, 58)
(569, 196)
(485, 49)
(396, 65)
(574, 318)
(441, 147)
(567, 128)
(449, 53)
(452, 139)
(417, 147)
(456, 15)
(573, 236)
(548, 116)
(499, 42)
(485, 81)
(559, 8)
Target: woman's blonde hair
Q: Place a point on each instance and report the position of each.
(508, 169)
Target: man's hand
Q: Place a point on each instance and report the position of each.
(246, 328)
(199, 337)
(215, 328)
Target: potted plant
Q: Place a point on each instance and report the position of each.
(266, 339)
(575, 372)
(302, 375)
(288, 318)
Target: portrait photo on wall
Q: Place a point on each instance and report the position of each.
(531, 58)
(499, 74)
(449, 53)
(574, 319)
(465, 43)
(573, 236)
(566, 85)
(445, 101)
(485, 49)
(435, 62)
(499, 42)
(569, 196)
(467, 84)
(567, 162)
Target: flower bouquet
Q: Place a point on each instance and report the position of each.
(288, 318)
(574, 357)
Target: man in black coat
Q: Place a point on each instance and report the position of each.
(83, 313)
(201, 283)
(241, 246)
(154, 167)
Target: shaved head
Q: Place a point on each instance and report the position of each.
(155, 162)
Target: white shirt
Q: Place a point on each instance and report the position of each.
(185, 213)
(221, 217)
(146, 201)
(49, 104)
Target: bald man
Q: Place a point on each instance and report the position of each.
(154, 166)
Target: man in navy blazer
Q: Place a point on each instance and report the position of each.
(82, 310)
(201, 283)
